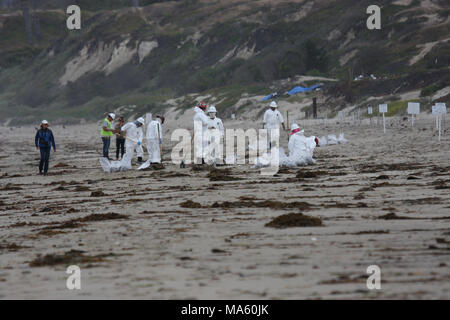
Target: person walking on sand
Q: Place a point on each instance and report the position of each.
(44, 141)
(120, 139)
(272, 120)
(107, 133)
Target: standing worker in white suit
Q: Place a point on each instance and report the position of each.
(154, 139)
(214, 137)
(201, 122)
(272, 120)
(215, 122)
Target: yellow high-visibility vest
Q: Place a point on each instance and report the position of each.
(109, 126)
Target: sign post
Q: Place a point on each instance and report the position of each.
(383, 108)
(341, 119)
(434, 110)
(413, 109)
(370, 113)
(439, 110)
(288, 126)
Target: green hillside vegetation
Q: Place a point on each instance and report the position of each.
(222, 48)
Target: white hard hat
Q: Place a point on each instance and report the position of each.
(44, 122)
(294, 126)
(212, 109)
(273, 104)
(112, 115)
(141, 120)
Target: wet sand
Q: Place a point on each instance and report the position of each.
(383, 200)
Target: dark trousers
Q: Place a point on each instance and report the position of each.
(45, 157)
(120, 147)
(106, 144)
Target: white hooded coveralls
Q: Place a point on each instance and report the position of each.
(134, 135)
(301, 149)
(154, 138)
(215, 133)
(217, 124)
(202, 121)
(272, 119)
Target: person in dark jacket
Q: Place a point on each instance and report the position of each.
(120, 139)
(44, 140)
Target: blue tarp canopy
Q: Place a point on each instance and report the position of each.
(301, 89)
(270, 96)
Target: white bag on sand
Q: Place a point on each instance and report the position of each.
(114, 166)
(341, 139)
(145, 165)
(263, 161)
(323, 141)
(104, 162)
(332, 140)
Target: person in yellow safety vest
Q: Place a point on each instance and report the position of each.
(107, 133)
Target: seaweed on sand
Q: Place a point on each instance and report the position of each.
(294, 220)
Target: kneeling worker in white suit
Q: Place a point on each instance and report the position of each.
(301, 148)
(134, 137)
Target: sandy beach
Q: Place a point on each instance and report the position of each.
(383, 200)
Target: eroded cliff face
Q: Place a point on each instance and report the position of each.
(164, 50)
(105, 58)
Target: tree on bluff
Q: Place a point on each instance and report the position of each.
(315, 58)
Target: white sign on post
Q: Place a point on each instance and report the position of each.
(413, 109)
(383, 108)
(435, 109)
(370, 110)
(441, 107)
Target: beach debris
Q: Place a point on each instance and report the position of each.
(221, 175)
(98, 193)
(71, 257)
(190, 204)
(291, 220)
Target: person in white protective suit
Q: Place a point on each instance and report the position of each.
(301, 148)
(154, 142)
(134, 137)
(216, 132)
(272, 119)
(214, 122)
(201, 122)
